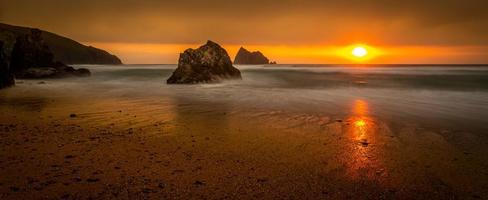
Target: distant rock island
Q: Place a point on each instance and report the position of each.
(65, 50)
(245, 57)
(209, 63)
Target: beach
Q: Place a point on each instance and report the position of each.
(283, 132)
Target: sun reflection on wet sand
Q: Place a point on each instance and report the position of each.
(362, 160)
(361, 121)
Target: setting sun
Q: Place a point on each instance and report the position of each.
(359, 52)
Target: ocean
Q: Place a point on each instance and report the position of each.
(453, 97)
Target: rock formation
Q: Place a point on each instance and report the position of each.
(64, 49)
(6, 75)
(245, 57)
(31, 58)
(208, 64)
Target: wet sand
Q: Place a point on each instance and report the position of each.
(77, 146)
(127, 154)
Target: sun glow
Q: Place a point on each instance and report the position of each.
(359, 53)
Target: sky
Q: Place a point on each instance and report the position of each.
(287, 31)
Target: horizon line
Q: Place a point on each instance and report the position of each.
(399, 64)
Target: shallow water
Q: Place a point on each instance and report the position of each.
(446, 97)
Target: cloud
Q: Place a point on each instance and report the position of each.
(287, 22)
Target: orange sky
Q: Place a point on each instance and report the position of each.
(168, 53)
(288, 31)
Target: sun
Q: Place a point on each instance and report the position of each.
(359, 52)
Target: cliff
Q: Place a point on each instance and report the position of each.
(65, 50)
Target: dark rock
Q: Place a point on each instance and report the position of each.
(245, 57)
(34, 73)
(262, 180)
(364, 142)
(64, 49)
(72, 115)
(198, 183)
(6, 75)
(209, 63)
(147, 190)
(91, 180)
(30, 51)
(31, 58)
(14, 189)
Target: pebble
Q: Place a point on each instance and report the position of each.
(198, 183)
(14, 189)
(91, 180)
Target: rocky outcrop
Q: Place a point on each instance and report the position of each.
(64, 50)
(245, 57)
(31, 58)
(209, 63)
(6, 75)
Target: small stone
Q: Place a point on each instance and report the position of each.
(14, 189)
(147, 190)
(262, 180)
(198, 183)
(91, 180)
(364, 143)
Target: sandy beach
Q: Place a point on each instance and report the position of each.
(67, 139)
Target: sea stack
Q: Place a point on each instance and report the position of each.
(31, 58)
(209, 63)
(245, 57)
(6, 75)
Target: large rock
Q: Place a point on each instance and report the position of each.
(209, 63)
(6, 75)
(31, 58)
(245, 57)
(64, 50)
(30, 51)
(58, 70)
